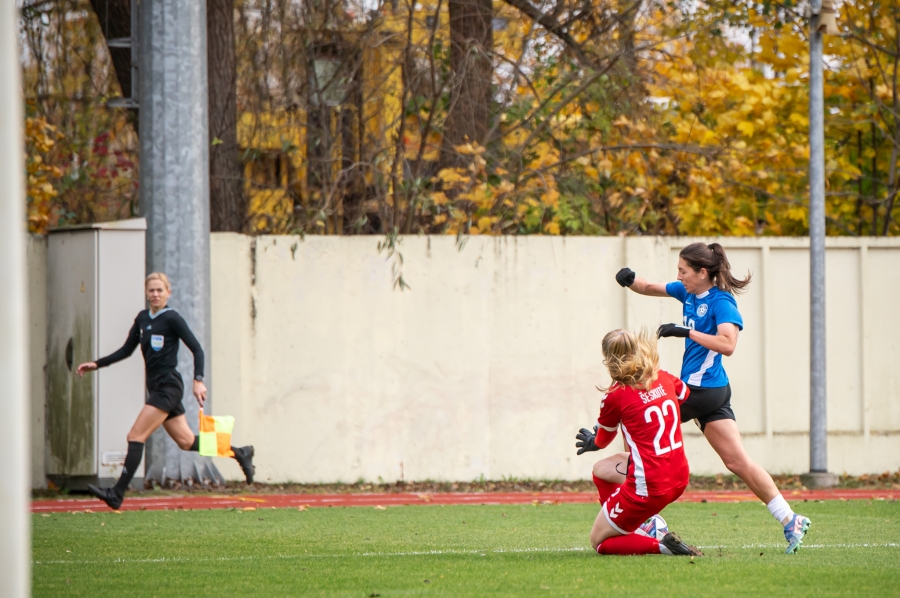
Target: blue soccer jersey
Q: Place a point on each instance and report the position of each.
(704, 312)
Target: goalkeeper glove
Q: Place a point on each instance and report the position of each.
(673, 330)
(625, 277)
(585, 440)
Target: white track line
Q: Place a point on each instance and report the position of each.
(417, 553)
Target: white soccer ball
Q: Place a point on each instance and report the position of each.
(654, 527)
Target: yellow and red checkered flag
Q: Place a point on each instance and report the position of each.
(215, 435)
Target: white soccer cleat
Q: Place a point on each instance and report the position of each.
(794, 532)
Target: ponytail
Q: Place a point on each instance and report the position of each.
(713, 258)
(632, 359)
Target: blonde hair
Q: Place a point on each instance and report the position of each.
(158, 276)
(632, 359)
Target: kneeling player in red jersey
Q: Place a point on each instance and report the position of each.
(644, 401)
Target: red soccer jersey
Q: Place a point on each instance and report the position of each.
(651, 425)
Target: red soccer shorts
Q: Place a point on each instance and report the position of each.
(626, 511)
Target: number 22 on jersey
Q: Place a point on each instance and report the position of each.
(662, 417)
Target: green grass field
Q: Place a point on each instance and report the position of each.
(852, 549)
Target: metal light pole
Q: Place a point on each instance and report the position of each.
(15, 548)
(174, 188)
(818, 475)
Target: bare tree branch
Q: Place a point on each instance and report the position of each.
(550, 23)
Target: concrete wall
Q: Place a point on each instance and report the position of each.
(487, 366)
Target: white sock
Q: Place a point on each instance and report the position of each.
(780, 509)
(664, 550)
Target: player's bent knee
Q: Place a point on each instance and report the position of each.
(612, 469)
(184, 443)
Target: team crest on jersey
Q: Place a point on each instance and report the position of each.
(702, 309)
(156, 342)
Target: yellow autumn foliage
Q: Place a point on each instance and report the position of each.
(40, 138)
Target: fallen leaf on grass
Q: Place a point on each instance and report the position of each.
(249, 509)
(380, 508)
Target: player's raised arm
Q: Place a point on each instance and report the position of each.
(627, 278)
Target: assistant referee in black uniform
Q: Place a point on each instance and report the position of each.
(158, 331)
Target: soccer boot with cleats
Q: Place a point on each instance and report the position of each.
(107, 495)
(795, 531)
(677, 547)
(244, 457)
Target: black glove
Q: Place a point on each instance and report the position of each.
(625, 277)
(585, 440)
(673, 330)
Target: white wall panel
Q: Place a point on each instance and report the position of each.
(487, 365)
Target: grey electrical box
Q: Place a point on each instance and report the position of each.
(95, 288)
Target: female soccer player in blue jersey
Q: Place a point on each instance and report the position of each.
(706, 289)
(159, 331)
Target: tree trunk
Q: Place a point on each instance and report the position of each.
(627, 19)
(471, 64)
(228, 208)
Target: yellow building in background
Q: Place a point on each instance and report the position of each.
(341, 145)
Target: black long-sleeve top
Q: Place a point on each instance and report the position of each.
(158, 335)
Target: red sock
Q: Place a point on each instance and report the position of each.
(630, 544)
(604, 488)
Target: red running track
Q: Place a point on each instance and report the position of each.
(283, 501)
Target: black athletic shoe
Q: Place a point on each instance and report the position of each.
(107, 495)
(244, 457)
(678, 547)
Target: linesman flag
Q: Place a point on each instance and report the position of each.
(215, 435)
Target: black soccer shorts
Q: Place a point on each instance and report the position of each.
(707, 405)
(166, 393)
